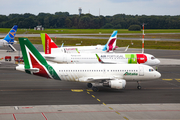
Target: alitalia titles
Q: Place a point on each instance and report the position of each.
(127, 73)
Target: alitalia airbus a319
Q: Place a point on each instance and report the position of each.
(96, 75)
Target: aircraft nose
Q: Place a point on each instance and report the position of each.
(158, 61)
(157, 75)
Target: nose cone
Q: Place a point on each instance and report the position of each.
(157, 75)
(158, 61)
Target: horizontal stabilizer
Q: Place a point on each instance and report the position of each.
(33, 69)
(49, 57)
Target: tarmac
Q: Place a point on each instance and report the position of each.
(26, 97)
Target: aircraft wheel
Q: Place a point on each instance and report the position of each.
(95, 89)
(89, 85)
(139, 87)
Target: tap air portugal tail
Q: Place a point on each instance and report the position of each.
(111, 44)
(34, 63)
(48, 43)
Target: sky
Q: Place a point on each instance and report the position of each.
(94, 7)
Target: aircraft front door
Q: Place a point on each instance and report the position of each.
(141, 71)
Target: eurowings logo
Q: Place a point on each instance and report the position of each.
(127, 73)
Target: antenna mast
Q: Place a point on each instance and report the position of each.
(143, 39)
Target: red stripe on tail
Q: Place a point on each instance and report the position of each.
(35, 64)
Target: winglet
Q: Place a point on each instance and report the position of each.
(62, 45)
(48, 43)
(10, 36)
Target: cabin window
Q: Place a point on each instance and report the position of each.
(152, 58)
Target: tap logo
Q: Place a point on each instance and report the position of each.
(127, 73)
(12, 33)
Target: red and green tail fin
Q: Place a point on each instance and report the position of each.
(48, 43)
(34, 63)
(99, 59)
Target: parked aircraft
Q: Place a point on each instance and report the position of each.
(50, 47)
(96, 75)
(114, 58)
(9, 39)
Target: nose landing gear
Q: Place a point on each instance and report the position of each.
(138, 87)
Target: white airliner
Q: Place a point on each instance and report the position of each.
(9, 39)
(50, 47)
(113, 58)
(96, 75)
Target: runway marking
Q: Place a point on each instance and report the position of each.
(126, 118)
(104, 104)
(178, 80)
(26, 107)
(93, 96)
(14, 117)
(44, 116)
(93, 111)
(167, 79)
(118, 113)
(76, 90)
(89, 90)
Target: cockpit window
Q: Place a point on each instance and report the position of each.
(150, 70)
(152, 57)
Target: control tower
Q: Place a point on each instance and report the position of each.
(80, 11)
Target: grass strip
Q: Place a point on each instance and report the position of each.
(171, 45)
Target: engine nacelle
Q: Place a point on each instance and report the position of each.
(116, 84)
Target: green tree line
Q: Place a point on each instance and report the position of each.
(88, 21)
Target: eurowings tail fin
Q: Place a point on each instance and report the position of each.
(111, 44)
(34, 63)
(48, 43)
(10, 36)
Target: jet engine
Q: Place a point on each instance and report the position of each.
(116, 84)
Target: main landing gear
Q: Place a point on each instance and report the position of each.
(95, 89)
(138, 87)
(89, 85)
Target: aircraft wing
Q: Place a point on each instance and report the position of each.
(98, 79)
(48, 56)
